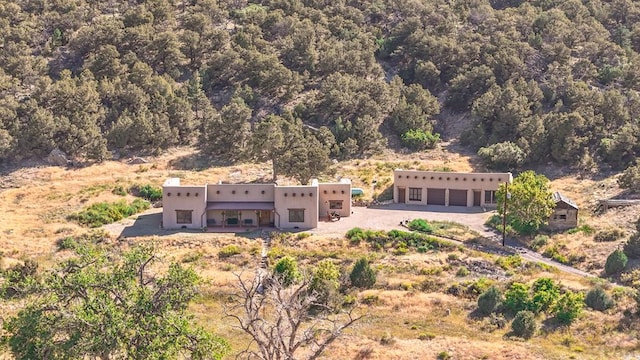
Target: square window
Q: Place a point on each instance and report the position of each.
(296, 215)
(563, 217)
(490, 197)
(415, 194)
(183, 216)
(335, 204)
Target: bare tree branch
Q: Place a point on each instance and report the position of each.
(279, 320)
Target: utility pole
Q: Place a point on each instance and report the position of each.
(504, 212)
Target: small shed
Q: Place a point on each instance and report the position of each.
(565, 214)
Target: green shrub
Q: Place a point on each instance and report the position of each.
(539, 241)
(509, 262)
(608, 235)
(119, 190)
(19, 280)
(356, 232)
(503, 156)
(443, 355)
(554, 253)
(516, 298)
(67, 243)
(420, 225)
(229, 251)
(387, 339)
(426, 336)
(324, 283)
(371, 299)
(286, 270)
(568, 307)
(102, 213)
(401, 249)
(302, 235)
(630, 178)
(462, 271)
(616, 262)
(524, 324)
(585, 229)
(420, 140)
(598, 299)
(148, 192)
(632, 246)
(362, 275)
(489, 300)
(545, 293)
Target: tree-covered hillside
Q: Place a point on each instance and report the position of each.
(544, 80)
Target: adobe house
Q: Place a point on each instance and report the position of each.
(252, 205)
(565, 214)
(447, 188)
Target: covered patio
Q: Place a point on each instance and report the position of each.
(240, 214)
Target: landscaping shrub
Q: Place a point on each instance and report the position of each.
(568, 307)
(148, 192)
(400, 241)
(362, 275)
(286, 269)
(616, 262)
(524, 324)
(229, 251)
(598, 299)
(420, 225)
(489, 300)
(103, 213)
(608, 235)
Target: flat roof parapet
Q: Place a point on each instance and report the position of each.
(172, 182)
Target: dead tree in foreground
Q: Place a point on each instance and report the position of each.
(285, 321)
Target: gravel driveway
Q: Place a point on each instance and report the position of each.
(387, 217)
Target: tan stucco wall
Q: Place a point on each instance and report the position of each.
(297, 197)
(447, 180)
(174, 197)
(334, 191)
(243, 192)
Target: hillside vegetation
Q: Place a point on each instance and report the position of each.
(543, 80)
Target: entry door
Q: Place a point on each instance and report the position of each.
(401, 195)
(265, 218)
(476, 198)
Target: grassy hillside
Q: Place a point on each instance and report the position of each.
(422, 303)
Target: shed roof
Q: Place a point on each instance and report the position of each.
(558, 197)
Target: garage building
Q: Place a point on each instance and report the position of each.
(447, 188)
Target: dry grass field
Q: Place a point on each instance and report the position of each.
(422, 305)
